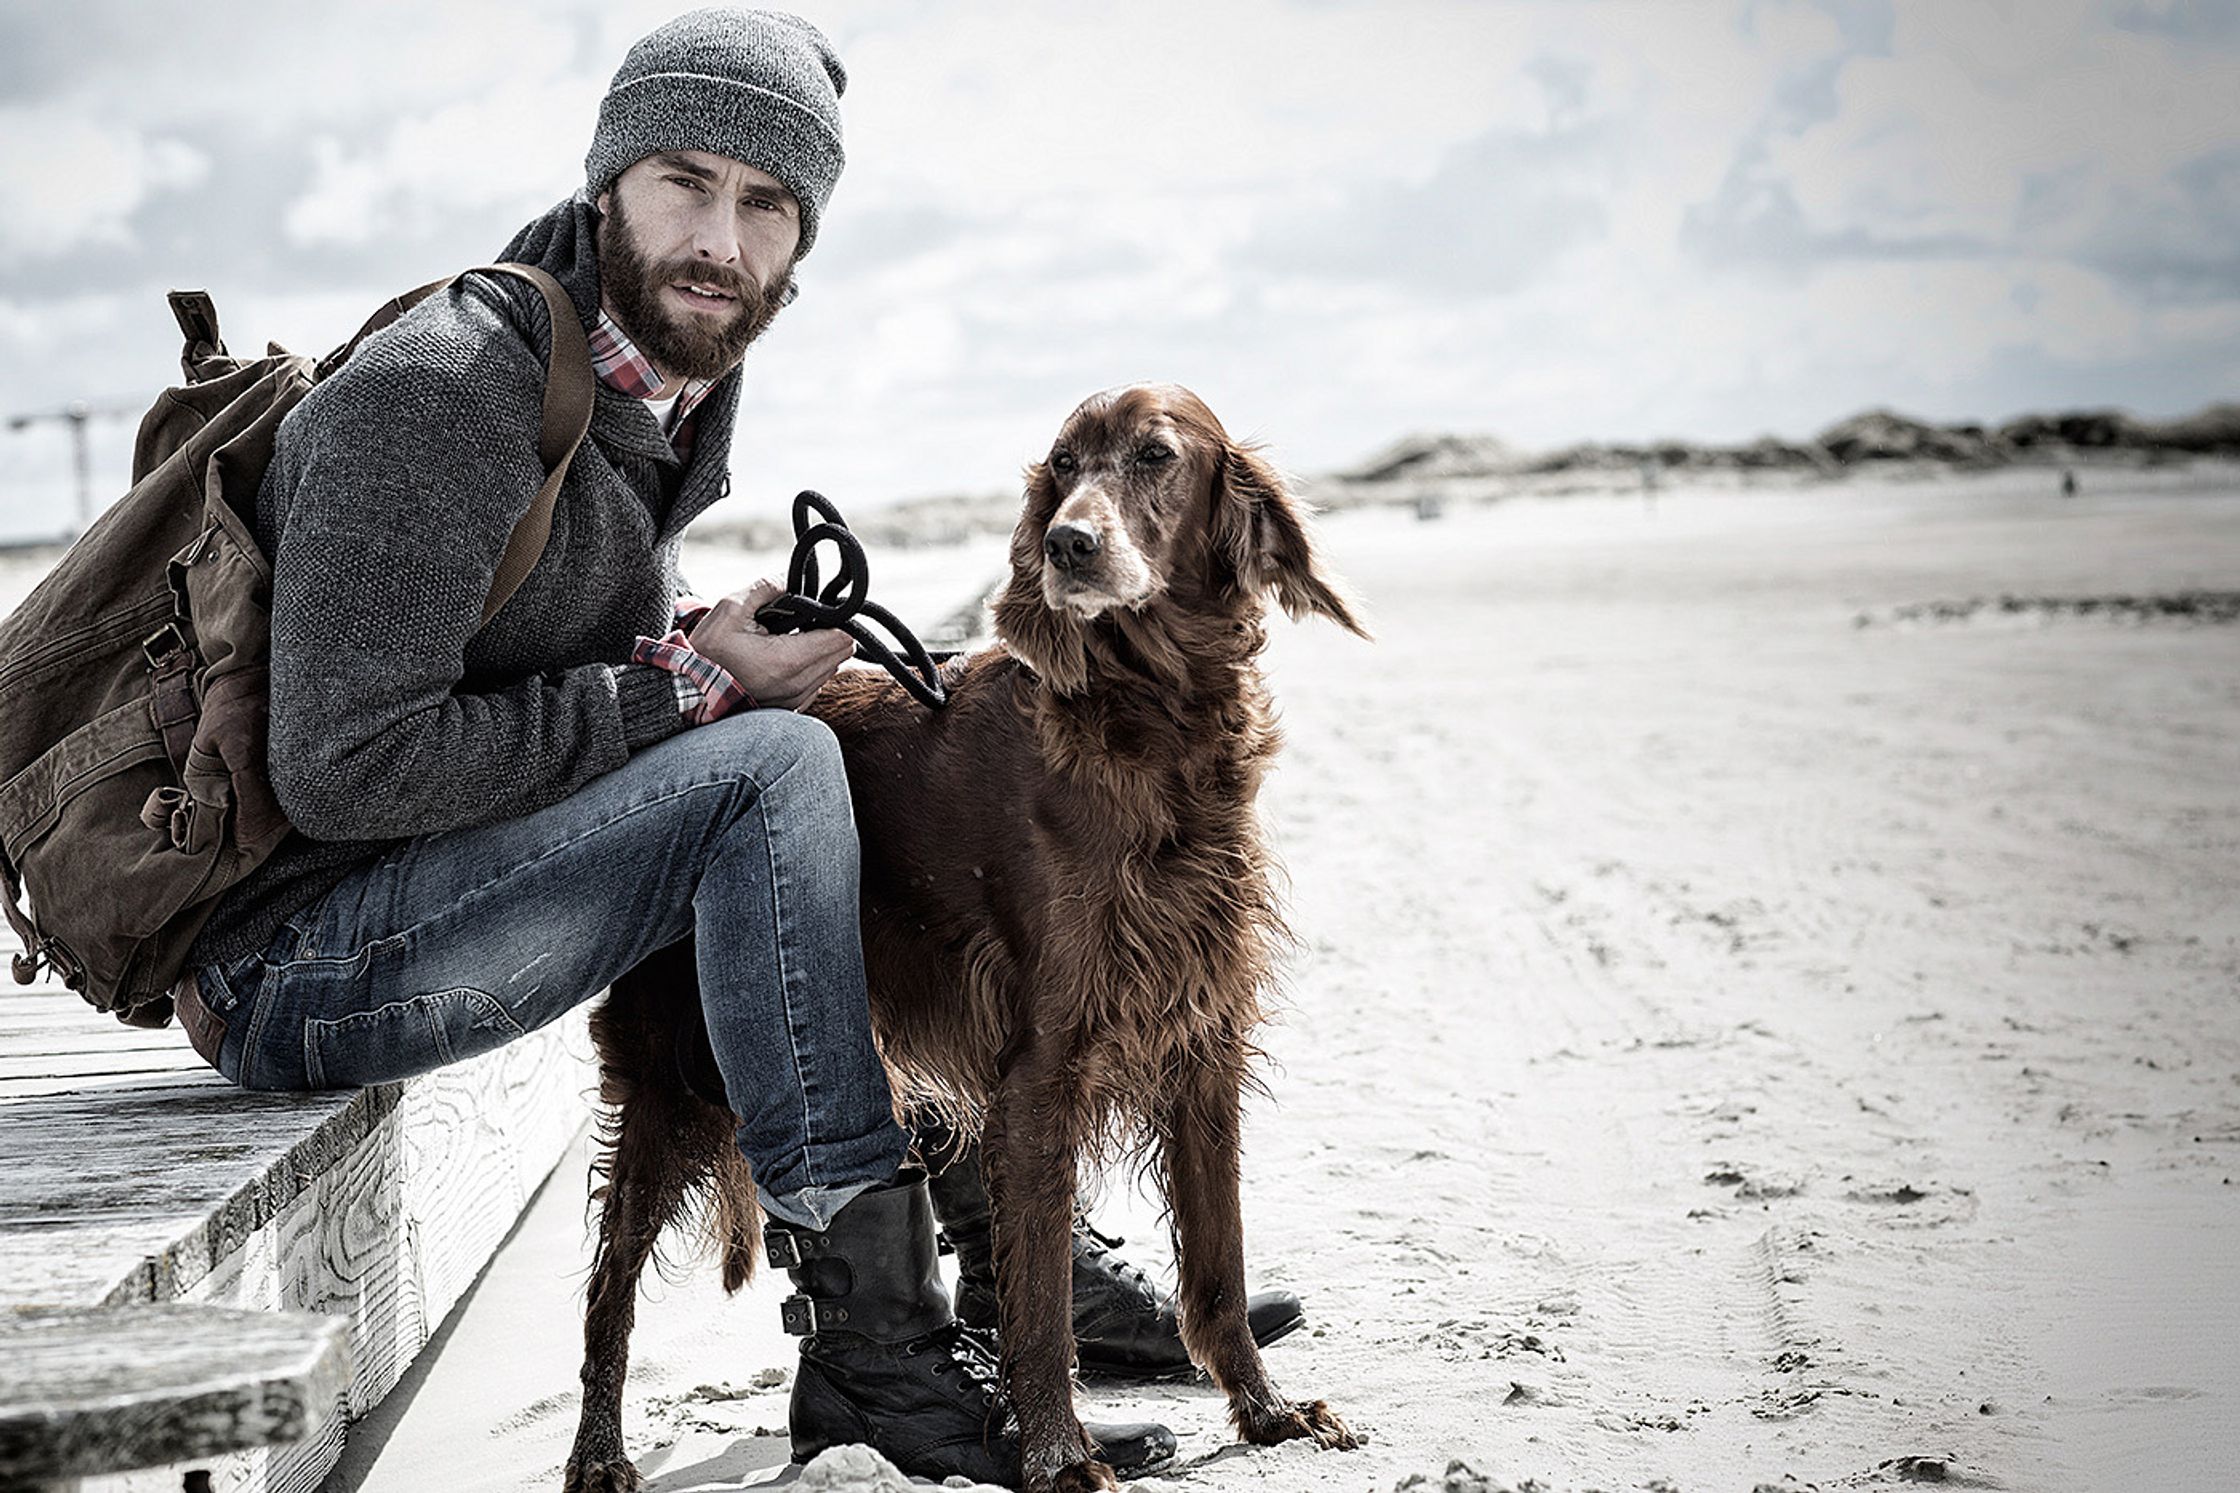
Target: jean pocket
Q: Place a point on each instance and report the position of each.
(404, 1037)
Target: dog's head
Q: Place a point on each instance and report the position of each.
(1144, 504)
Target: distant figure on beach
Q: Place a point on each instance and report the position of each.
(2068, 482)
(494, 821)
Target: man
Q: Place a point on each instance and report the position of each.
(495, 821)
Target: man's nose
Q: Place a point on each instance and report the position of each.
(715, 235)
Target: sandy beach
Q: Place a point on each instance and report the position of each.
(1742, 1035)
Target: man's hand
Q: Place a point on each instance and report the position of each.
(784, 670)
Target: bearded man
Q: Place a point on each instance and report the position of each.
(493, 821)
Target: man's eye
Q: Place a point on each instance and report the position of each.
(686, 182)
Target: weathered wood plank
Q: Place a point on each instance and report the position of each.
(40, 1088)
(18, 1037)
(63, 1062)
(92, 1390)
(379, 1206)
(395, 1234)
(221, 1159)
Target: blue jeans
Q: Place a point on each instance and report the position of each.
(738, 833)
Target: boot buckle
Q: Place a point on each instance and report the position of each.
(791, 1248)
(803, 1317)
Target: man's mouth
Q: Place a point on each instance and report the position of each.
(704, 297)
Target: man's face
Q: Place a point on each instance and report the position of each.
(695, 253)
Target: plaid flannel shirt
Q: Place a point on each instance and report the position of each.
(622, 368)
(705, 689)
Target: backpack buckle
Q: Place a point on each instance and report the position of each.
(59, 959)
(173, 641)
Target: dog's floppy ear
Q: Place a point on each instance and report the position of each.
(1046, 641)
(1262, 532)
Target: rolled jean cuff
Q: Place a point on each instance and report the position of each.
(811, 1207)
(858, 1164)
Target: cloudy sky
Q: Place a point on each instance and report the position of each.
(1337, 220)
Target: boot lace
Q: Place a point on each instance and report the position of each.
(1100, 1249)
(970, 1353)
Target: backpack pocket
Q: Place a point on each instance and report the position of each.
(224, 583)
(111, 848)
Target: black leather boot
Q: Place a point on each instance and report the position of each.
(884, 1361)
(1123, 1327)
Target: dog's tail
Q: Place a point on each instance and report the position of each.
(734, 1220)
(665, 1155)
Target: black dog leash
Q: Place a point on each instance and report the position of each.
(845, 599)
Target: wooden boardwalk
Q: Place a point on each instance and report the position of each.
(134, 1174)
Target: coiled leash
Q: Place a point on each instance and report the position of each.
(839, 604)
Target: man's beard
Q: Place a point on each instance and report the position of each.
(680, 342)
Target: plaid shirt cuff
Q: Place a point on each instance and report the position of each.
(705, 689)
(688, 611)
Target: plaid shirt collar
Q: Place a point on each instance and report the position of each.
(622, 368)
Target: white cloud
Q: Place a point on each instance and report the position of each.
(281, 68)
(71, 181)
(518, 144)
(1976, 103)
(998, 102)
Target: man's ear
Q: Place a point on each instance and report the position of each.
(1262, 531)
(600, 202)
(1046, 641)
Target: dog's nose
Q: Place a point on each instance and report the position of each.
(1069, 545)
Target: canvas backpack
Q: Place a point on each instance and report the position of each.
(133, 678)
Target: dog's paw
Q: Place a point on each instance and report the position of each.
(1301, 1420)
(1085, 1477)
(600, 1475)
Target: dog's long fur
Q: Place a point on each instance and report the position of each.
(1067, 915)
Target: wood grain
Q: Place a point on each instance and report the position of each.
(87, 1390)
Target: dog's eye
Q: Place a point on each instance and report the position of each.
(1061, 461)
(1152, 453)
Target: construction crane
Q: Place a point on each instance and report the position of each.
(77, 415)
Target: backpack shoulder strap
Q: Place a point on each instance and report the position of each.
(568, 397)
(391, 309)
(568, 393)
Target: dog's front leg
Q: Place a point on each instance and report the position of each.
(1201, 1144)
(1028, 1153)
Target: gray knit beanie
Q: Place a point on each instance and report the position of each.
(759, 86)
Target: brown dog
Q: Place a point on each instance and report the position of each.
(1067, 917)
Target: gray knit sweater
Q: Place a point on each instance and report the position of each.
(391, 493)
